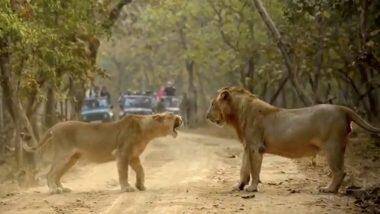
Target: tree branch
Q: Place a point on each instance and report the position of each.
(283, 49)
(279, 89)
(115, 13)
(225, 38)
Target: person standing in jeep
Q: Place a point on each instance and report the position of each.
(104, 93)
(170, 89)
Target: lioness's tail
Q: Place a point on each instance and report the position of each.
(360, 121)
(45, 139)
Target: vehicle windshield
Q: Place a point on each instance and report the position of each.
(95, 104)
(137, 102)
(171, 102)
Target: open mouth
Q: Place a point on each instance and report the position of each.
(177, 124)
(217, 122)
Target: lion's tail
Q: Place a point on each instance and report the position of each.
(360, 121)
(45, 140)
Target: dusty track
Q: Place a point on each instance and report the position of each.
(190, 174)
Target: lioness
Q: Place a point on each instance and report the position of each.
(126, 139)
(293, 133)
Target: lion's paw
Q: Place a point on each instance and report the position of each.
(55, 190)
(65, 189)
(239, 186)
(127, 189)
(327, 190)
(141, 187)
(251, 188)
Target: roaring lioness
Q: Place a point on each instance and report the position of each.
(126, 139)
(293, 133)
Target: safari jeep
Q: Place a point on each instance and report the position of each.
(97, 110)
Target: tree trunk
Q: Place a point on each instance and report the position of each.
(50, 107)
(192, 93)
(280, 44)
(264, 90)
(31, 108)
(66, 109)
(120, 72)
(279, 89)
(365, 52)
(21, 122)
(319, 59)
(284, 100)
(249, 74)
(242, 75)
(1, 110)
(4, 64)
(192, 109)
(146, 80)
(203, 102)
(77, 93)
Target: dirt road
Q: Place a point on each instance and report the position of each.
(190, 174)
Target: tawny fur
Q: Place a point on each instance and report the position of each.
(124, 140)
(293, 133)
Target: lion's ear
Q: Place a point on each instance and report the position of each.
(225, 95)
(158, 118)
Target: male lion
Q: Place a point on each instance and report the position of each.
(126, 138)
(293, 133)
